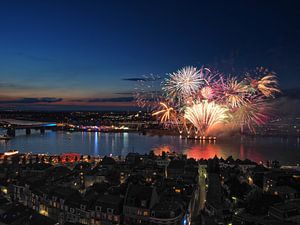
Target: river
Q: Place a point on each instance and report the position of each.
(286, 150)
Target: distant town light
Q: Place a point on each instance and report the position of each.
(12, 152)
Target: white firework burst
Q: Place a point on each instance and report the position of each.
(185, 82)
(204, 115)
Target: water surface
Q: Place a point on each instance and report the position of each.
(258, 149)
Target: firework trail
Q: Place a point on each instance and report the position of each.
(254, 113)
(266, 83)
(167, 114)
(204, 115)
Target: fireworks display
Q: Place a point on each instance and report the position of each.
(205, 115)
(184, 82)
(167, 114)
(148, 92)
(198, 100)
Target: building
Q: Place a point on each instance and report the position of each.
(286, 212)
(139, 201)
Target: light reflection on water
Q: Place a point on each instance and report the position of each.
(258, 149)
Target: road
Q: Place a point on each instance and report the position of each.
(199, 196)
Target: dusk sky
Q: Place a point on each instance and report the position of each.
(85, 54)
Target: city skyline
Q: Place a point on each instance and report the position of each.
(86, 55)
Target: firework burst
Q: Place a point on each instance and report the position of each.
(147, 92)
(254, 113)
(233, 93)
(267, 82)
(184, 82)
(204, 115)
(166, 114)
(199, 99)
(207, 93)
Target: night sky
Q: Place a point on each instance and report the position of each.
(70, 55)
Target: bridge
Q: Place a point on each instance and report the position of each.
(12, 125)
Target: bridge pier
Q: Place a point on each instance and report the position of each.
(28, 131)
(11, 132)
(42, 130)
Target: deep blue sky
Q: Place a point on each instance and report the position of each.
(58, 52)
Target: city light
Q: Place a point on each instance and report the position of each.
(11, 153)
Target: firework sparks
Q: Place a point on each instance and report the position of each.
(233, 93)
(199, 99)
(204, 115)
(166, 114)
(147, 92)
(207, 93)
(184, 82)
(253, 113)
(267, 84)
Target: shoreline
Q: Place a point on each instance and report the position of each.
(98, 158)
(170, 132)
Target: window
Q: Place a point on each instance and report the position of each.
(143, 203)
(109, 210)
(172, 213)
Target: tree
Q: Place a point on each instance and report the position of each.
(30, 160)
(24, 160)
(163, 155)
(151, 154)
(5, 160)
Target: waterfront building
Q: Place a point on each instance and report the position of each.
(286, 212)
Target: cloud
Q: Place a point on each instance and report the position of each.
(35, 57)
(95, 100)
(293, 93)
(31, 100)
(121, 99)
(149, 77)
(16, 86)
(4, 85)
(123, 93)
(134, 79)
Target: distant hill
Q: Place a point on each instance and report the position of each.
(288, 103)
(293, 93)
